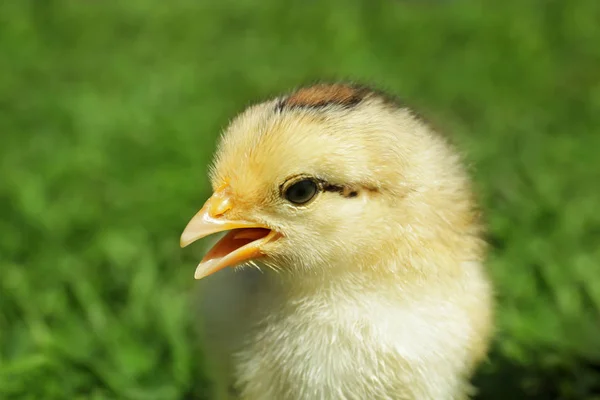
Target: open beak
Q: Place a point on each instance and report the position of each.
(243, 242)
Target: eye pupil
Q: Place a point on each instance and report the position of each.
(301, 192)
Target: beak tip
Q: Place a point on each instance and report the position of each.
(186, 239)
(201, 271)
(208, 267)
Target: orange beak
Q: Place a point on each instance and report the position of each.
(243, 242)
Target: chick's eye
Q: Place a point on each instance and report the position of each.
(301, 192)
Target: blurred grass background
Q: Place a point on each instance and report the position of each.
(108, 116)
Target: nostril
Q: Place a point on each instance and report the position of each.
(219, 206)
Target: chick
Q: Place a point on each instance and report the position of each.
(359, 250)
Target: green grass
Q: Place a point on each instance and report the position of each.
(108, 116)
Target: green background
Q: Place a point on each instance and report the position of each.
(108, 116)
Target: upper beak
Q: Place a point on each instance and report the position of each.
(244, 242)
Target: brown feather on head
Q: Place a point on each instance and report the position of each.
(321, 95)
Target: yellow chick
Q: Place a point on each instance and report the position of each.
(360, 252)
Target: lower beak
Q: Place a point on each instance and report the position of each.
(244, 241)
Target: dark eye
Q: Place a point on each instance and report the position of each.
(301, 192)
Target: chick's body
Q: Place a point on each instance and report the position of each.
(375, 287)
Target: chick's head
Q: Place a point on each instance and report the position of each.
(329, 175)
